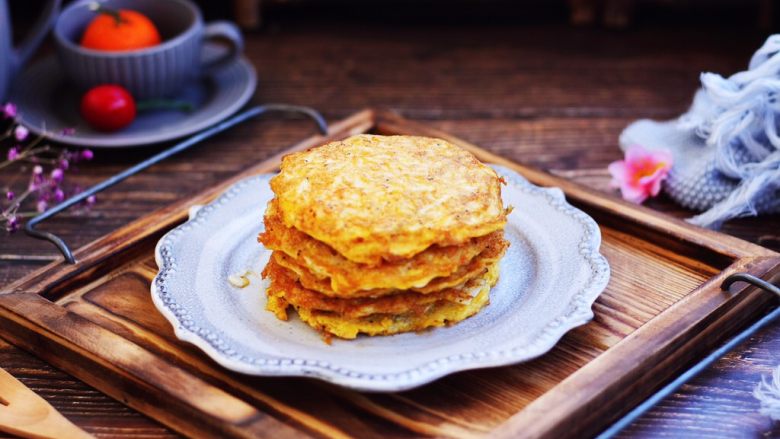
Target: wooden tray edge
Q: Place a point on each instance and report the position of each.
(750, 257)
(700, 322)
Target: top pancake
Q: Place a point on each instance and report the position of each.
(375, 198)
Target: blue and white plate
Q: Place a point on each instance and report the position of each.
(550, 277)
(47, 104)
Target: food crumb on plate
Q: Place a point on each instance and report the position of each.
(240, 280)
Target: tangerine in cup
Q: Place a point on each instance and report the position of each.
(151, 72)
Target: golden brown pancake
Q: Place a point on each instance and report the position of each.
(439, 313)
(284, 285)
(471, 269)
(387, 198)
(383, 234)
(349, 278)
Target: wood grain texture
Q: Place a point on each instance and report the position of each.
(104, 329)
(548, 96)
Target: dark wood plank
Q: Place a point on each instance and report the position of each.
(719, 402)
(552, 97)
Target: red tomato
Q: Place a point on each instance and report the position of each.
(108, 107)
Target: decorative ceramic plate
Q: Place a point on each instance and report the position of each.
(48, 104)
(550, 277)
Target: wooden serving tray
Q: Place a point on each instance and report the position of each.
(662, 309)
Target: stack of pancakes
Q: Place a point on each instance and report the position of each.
(383, 234)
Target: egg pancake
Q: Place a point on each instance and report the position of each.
(432, 315)
(471, 269)
(387, 198)
(284, 285)
(348, 278)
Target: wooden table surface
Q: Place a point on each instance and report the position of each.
(548, 95)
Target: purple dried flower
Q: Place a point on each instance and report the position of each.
(37, 178)
(12, 224)
(49, 165)
(68, 131)
(13, 153)
(9, 110)
(57, 175)
(21, 132)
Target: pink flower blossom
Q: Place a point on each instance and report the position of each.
(41, 205)
(640, 174)
(10, 195)
(21, 132)
(87, 154)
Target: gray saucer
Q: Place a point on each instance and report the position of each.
(48, 104)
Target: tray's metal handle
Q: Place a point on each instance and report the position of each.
(688, 375)
(749, 278)
(30, 226)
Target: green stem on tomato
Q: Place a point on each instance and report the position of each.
(113, 13)
(163, 104)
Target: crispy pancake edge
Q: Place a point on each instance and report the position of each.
(284, 286)
(475, 267)
(350, 278)
(440, 314)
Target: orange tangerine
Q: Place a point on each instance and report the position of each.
(120, 31)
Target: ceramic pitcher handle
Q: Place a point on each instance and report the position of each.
(35, 35)
(228, 32)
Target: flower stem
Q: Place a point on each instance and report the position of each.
(35, 142)
(24, 154)
(28, 214)
(17, 202)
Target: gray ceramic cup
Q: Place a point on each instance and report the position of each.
(154, 72)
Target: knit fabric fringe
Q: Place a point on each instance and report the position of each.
(768, 394)
(726, 147)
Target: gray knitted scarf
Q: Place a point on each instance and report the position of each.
(726, 148)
